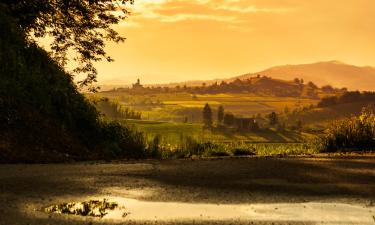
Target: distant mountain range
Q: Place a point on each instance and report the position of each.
(333, 73)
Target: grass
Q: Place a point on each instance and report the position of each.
(172, 132)
(190, 148)
(169, 137)
(184, 140)
(176, 106)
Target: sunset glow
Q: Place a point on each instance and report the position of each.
(188, 40)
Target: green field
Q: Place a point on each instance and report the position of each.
(172, 123)
(178, 106)
(183, 140)
(163, 115)
(172, 132)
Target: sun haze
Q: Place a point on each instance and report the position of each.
(181, 40)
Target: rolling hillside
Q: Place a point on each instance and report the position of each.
(333, 72)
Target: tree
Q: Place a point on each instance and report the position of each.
(286, 110)
(207, 115)
(220, 114)
(312, 85)
(229, 119)
(328, 88)
(273, 119)
(299, 124)
(81, 27)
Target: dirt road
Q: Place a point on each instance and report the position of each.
(294, 190)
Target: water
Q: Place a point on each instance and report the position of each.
(327, 213)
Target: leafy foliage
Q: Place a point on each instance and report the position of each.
(114, 110)
(355, 133)
(43, 117)
(273, 119)
(189, 147)
(79, 26)
(220, 114)
(348, 97)
(229, 119)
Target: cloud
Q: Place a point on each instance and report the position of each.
(184, 17)
(252, 9)
(228, 11)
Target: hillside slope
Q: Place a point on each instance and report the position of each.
(333, 73)
(43, 117)
(322, 73)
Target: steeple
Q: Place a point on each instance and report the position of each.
(138, 85)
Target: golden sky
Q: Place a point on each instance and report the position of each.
(177, 40)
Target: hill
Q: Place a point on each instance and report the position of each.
(334, 107)
(334, 73)
(43, 116)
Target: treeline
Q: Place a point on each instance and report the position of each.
(261, 85)
(347, 97)
(114, 110)
(227, 120)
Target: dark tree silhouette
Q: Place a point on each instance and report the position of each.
(273, 119)
(220, 114)
(80, 26)
(229, 119)
(207, 115)
(299, 124)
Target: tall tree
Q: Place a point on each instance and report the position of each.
(220, 114)
(207, 115)
(78, 26)
(273, 119)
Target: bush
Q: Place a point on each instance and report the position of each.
(121, 141)
(243, 151)
(356, 133)
(347, 97)
(154, 147)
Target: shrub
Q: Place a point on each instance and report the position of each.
(121, 141)
(355, 133)
(243, 151)
(154, 147)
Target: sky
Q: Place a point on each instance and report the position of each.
(178, 40)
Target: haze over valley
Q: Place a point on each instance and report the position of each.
(332, 73)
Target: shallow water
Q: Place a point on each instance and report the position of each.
(327, 213)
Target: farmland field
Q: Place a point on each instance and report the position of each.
(178, 107)
(173, 138)
(173, 131)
